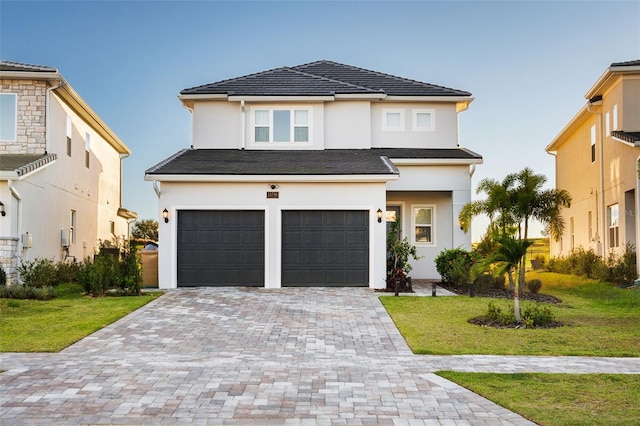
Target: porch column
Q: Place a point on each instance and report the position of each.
(459, 238)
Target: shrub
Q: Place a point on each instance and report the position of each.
(67, 272)
(3, 277)
(454, 265)
(617, 269)
(38, 273)
(19, 291)
(116, 270)
(534, 286)
(533, 316)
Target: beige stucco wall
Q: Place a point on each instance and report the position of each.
(577, 174)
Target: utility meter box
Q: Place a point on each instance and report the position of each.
(65, 237)
(27, 240)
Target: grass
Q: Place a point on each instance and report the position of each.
(39, 326)
(560, 399)
(599, 320)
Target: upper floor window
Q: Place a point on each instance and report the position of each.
(8, 116)
(392, 119)
(615, 117)
(69, 133)
(593, 143)
(423, 120)
(423, 222)
(281, 125)
(72, 227)
(87, 148)
(613, 216)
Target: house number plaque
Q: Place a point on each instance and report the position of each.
(273, 194)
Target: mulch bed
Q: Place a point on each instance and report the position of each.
(506, 294)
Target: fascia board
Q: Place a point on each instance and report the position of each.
(272, 178)
(204, 97)
(606, 78)
(30, 75)
(73, 99)
(253, 98)
(577, 120)
(435, 161)
(9, 175)
(442, 99)
(358, 96)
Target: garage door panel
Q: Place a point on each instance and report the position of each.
(321, 248)
(220, 248)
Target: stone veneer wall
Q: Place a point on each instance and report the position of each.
(9, 258)
(31, 126)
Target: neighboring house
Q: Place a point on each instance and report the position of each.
(597, 161)
(60, 170)
(293, 173)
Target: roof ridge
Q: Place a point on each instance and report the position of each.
(227, 80)
(335, 80)
(381, 74)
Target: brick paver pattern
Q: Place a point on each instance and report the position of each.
(259, 356)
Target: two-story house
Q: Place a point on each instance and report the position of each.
(597, 157)
(60, 170)
(294, 173)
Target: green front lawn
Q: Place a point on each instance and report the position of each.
(599, 320)
(560, 399)
(39, 326)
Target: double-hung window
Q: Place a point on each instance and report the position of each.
(423, 219)
(281, 126)
(8, 116)
(613, 216)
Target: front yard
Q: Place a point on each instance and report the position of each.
(599, 320)
(50, 326)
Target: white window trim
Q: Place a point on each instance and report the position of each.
(614, 125)
(431, 128)
(386, 127)
(15, 118)
(292, 125)
(433, 242)
(611, 227)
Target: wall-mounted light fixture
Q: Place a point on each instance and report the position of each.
(379, 212)
(165, 215)
(2, 212)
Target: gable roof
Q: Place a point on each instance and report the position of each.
(235, 163)
(321, 78)
(19, 70)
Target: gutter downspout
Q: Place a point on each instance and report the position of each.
(156, 188)
(16, 195)
(602, 237)
(243, 130)
(47, 119)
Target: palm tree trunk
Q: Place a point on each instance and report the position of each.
(516, 299)
(511, 284)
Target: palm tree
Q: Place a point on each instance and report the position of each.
(496, 206)
(507, 258)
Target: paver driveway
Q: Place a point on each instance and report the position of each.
(250, 356)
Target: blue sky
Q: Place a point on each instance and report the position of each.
(527, 64)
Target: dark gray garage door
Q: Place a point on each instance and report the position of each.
(325, 248)
(220, 248)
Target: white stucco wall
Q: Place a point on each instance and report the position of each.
(252, 196)
(48, 195)
(444, 135)
(348, 125)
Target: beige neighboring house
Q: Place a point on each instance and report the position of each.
(60, 170)
(597, 159)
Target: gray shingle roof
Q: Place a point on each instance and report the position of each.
(322, 78)
(24, 163)
(631, 137)
(300, 162)
(19, 66)
(633, 63)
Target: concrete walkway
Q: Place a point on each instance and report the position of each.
(257, 356)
